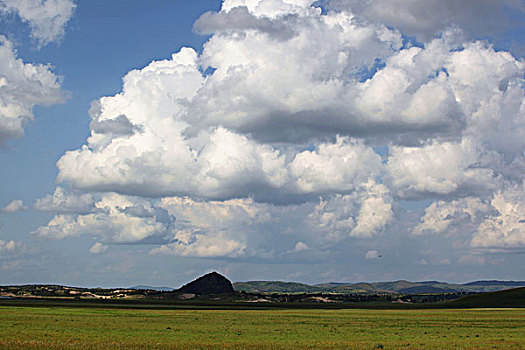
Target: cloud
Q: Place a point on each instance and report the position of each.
(180, 226)
(335, 167)
(64, 201)
(271, 8)
(115, 127)
(372, 254)
(111, 221)
(23, 86)
(476, 260)
(214, 228)
(304, 84)
(300, 247)
(440, 168)
(176, 132)
(375, 213)
(215, 244)
(483, 82)
(209, 214)
(296, 125)
(12, 253)
(494, 222)
(215, 164)
(506, 228)
(98, 248)
(443, 262)
(46, 18)
(239, 19)
(441, 215)
(365, 84)
(426, 18)
(422, 262)
(360, 214)
(257, 226)
(14, 206)
(184, 226)
(10, 247)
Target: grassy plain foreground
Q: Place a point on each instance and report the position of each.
(93, 328)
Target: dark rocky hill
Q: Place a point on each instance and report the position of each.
(211, 283)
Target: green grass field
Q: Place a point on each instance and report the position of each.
(97, 328)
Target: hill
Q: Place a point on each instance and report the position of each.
(275, 287)
(499, 283)
(505, 298)
(160, 289)
(211, 283)
(425, 290)
(396, 287)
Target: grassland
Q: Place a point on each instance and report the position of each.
(99, 328)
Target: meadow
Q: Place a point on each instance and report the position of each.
(106, 328)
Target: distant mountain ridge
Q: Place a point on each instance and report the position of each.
(275, 287)
(214, 283)
(162, 289)
(399, 287)
(492, 282)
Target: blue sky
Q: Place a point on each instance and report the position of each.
(280, 162)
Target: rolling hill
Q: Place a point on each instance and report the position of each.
(276, 287)
(398, 287)
(504, 299)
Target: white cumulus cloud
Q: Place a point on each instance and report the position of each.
(8, 246)
(337, 167)
(300, 247)
(97, 248)
(440, 168)
(64, 201)
(215, 244)
(505, 228)
(441, 215)
(116, 218)
(426, 18)
(46, 18)
(360, 214)
(372, 254)
(14, 206)
(494, 222)
(295, 124)
(23, 86)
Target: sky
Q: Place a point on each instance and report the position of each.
(313, 141)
